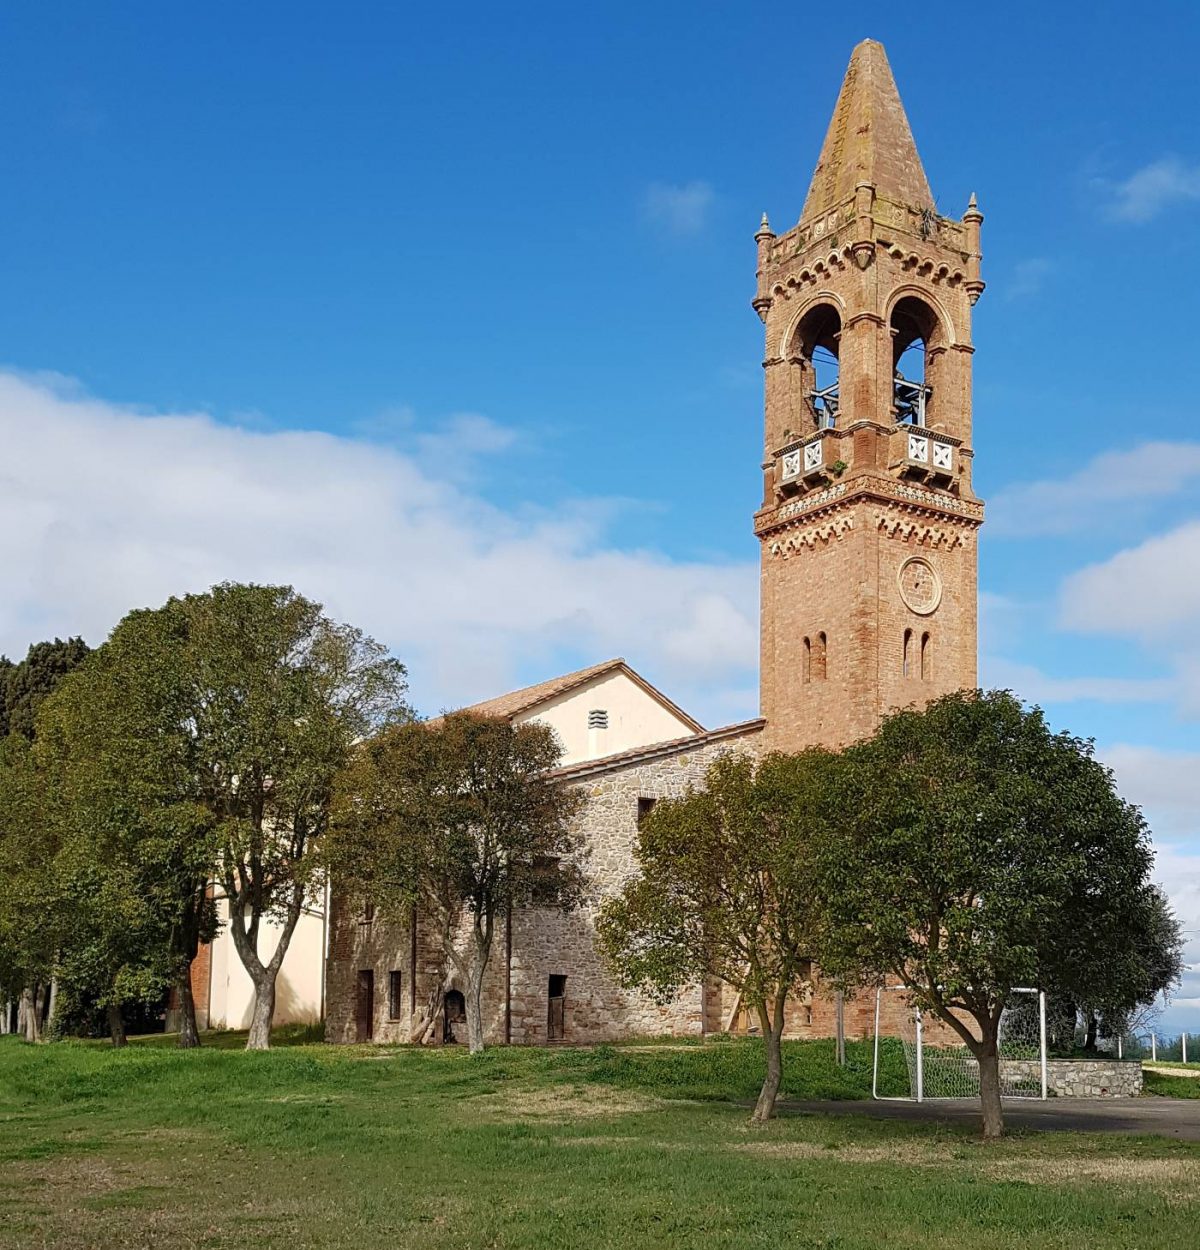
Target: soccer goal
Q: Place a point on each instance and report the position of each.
(921, 1052)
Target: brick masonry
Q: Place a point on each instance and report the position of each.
(868, 572)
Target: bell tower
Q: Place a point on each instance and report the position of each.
(868, 523)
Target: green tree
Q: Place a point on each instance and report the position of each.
(29, 926)
(133, 845)
(203, 739)
(727, 889)
(24, 687)
(974, 838)
(459, 818)
(31, 899)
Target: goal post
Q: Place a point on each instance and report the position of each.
(938, 1064)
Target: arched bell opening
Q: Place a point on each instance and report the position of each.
(814, 349)
(918, 344)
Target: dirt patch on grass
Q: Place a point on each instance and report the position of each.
(906, 1153)
(1164, 1070)
(74, 1176)
(1179, 1176)
(566, 1102)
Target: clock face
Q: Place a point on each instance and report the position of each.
(920, 586)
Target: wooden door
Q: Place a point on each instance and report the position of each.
(556, 1015)
(364, 1016)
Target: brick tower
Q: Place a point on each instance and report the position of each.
(868, 522)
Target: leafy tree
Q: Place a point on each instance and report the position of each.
(459, 818)
(727, 888)
(29, 925)
(31, 900)
(203, 738)
(973, 839)
(28, 684)
(134, 847)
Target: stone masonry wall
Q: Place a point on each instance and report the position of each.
(1079, 1078)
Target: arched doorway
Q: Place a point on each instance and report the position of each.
(454, 1018)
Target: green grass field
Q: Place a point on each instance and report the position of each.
(627, 1146)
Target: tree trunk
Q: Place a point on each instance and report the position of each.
(263, 975)
(480, 950)
(51, 1009)
(1093, 1025)
(116, 1025)
(31, 1009)
(264, 1012)
(189, 1034)
(772, 1031)
(988, 1058)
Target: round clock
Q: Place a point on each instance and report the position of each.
(920, 586)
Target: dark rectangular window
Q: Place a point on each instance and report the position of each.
(395, 994)
(368, 912)
(645, 807)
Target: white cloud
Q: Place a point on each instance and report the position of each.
(1035, 686)
(1145, 474)
(103, 508)
(1028, 277)
(678, 209)
(1150, 591)
(1153, 188)
(1166, 785)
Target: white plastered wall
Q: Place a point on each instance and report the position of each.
(635, 718)
(299, 989)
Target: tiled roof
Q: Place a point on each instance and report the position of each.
(529, 697)
(656, 750)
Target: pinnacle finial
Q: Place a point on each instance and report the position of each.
(764, 230)
(972, 202)
(972, 213)
(765, 224)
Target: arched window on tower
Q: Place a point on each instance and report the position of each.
(814, 348)
(916, 344)
(819, 658)
(908, 656)
(926, 657)
(806, 661)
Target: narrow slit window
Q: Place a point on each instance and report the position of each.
(395, 994)
(908, 657)
(926, 657)
(820, 658)
(807, 662)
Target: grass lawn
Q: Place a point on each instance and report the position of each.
(627, 1146)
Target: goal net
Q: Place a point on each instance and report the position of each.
(918, 1056)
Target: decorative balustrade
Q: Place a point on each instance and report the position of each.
(926, 450)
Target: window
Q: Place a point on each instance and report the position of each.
(598, 718)
(807, 664)
(908, 657)
(395, 994)
(814, 351)
(926, 657)
(368, 912)
(645, 807)
(819, 658)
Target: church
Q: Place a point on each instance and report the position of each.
(868, 598)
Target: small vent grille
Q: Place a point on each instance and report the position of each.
(598, 718)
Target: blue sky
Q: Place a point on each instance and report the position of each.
(446, 319)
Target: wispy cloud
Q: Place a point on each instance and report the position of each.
(103, 508)
(1153, 188)
(1028, 277)
(1037, 686)
(1146, 474)
(678, 209)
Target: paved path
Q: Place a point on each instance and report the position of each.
(1161, 1117)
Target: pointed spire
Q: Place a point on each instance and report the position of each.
(764, 229)
(869, 140)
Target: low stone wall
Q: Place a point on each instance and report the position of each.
(1079, 1078)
